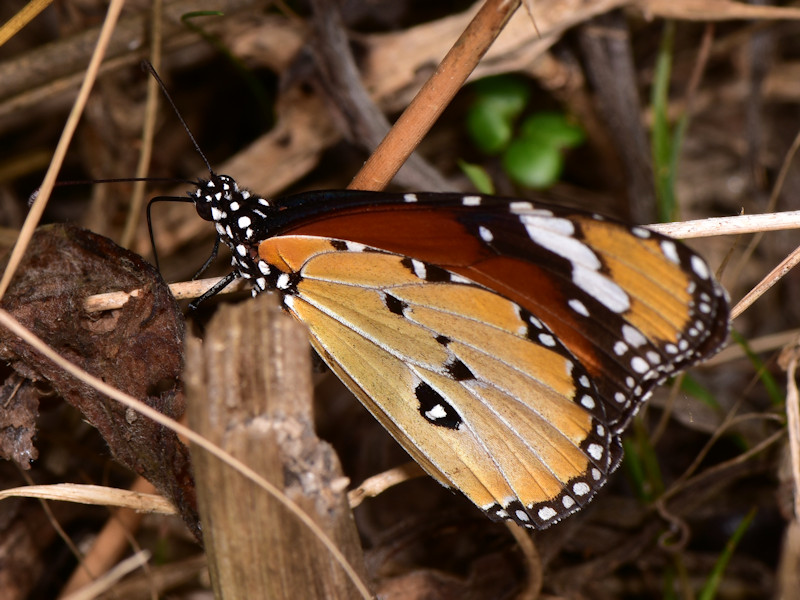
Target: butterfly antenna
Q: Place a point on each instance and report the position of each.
(150, 220)
(149, 67)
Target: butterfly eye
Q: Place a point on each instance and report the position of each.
(203, 209)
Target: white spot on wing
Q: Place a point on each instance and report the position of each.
(699, 267)
(601, 288)
(595, 451)
(471, 200)
(545, 228)
(581, 488)
(633, 336)
(486, 235)
(355, 247)
(437, 412)
(456, 278)
(579, 307)
(520, 207)
(670, 250)
(546, 513)
(547, 339)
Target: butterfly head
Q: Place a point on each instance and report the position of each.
(237, 214)
(241, 220)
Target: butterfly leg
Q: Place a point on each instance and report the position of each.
(214, 290)
(209, 260)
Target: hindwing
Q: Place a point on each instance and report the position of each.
(475, 388)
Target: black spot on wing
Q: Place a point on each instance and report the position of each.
(435, 409)
(436, 274)
(426, 271)
(458, 370)
(395, 305)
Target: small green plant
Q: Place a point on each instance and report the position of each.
(532, 153)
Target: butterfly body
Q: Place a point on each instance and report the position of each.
(504, 344)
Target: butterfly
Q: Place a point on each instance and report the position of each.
(505, 344)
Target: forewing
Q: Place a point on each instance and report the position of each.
(632, 306)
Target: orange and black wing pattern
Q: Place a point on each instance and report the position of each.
(504, 344)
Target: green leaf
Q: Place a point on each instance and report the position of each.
(478, 176)
(533, 164)
(508, 94)
(552, 128)
(712, 584)
(692, 387)
(664, 153)
(498, 103)
(489, 129)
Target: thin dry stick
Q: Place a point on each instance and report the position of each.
(435, 95)
(533, 562)
(793, 427)
(377, 484)
(107, 581)
(15, 327)
(53, 521)
(112, 541)
(773, 201)
(786, 265)
(82, 493)
(37, 209)
(759, 345)
(27, 14)
(148, 129)
(729, 225)
(730, 421)
(183, 290)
